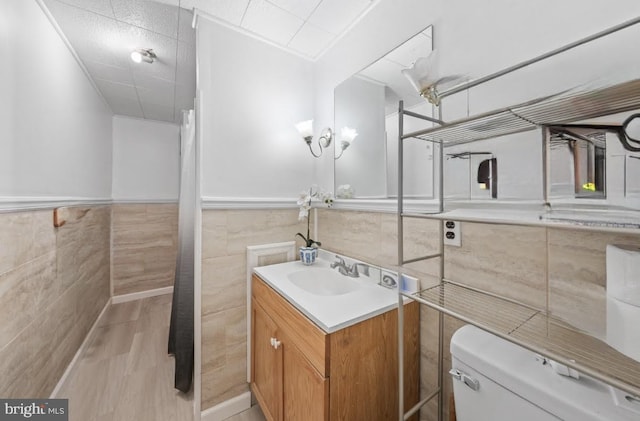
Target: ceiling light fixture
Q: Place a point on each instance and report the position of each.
(143, 54)
(424, 76)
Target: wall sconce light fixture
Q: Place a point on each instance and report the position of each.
(305, 128)
(143, 54)
(347, 135)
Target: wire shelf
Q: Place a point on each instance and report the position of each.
(573, 105)
(536, 331)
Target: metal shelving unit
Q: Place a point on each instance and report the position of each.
(402, 261)
(570, 106)
(535, 330)
(516, 322)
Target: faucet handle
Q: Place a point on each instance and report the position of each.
(365, 269)
(339, 262)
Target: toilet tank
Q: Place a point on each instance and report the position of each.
(496, 380)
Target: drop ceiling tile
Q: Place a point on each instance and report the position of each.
(123, 99)
(335, 15)
(186, 33)
(102, 7)
(407, 53)
(152, 83)
(120, 90)
(271, 22)
(158, 112)
(162, 94)
(110, 73)
(94, 37)
(311, 40)
(231, 11)
(186, 72)
(124, 106)
(165, 48)
(300, 8)
(151, 15)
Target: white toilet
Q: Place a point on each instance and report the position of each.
(495, 380)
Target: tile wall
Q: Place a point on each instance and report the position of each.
(556, 268)
(225, 237)
(54, 282)
(144, 247)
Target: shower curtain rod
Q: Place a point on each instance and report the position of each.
(476, 82)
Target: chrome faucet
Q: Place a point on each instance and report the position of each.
(354, 270)
(347, 270)
(341, 265)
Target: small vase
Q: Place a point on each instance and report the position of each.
(308, 255)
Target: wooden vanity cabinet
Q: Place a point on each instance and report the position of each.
(299, 372)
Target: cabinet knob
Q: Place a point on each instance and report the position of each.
(275, 343)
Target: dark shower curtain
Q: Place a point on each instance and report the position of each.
(181, 330)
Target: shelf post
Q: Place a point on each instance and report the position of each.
(400, 259)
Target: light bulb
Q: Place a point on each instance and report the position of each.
(305, 128)
(143, 54)
(348, 135)
(136, 56)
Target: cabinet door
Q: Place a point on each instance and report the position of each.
(306, 391)
(266, 370)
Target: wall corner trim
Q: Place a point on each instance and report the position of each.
(117, 299)
(209, 202)
(72, 50)
(228, 408)
(25, 203)
(83, 347)
(149, 201)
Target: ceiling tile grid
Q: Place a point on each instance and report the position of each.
(311, 40)
(230, 11)
(299, 8)
(104, 32)
(305, 27)
(154, 16)
(271, 22)
(335, 16)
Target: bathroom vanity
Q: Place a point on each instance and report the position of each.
(305, 370)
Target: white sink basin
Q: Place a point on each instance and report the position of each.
(332, 300)
(322, 281)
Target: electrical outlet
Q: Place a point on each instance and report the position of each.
(452, 235)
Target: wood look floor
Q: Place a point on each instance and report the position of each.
(125, 373)
(253, 414)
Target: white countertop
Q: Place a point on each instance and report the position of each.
(334, 312)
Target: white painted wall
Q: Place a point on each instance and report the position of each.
(146, 159)
(252, 94)
(477, 38)
(55, 130)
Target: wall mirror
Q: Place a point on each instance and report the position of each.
(594, 164)
(503, 169)
(578, 163)
(368, 103)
